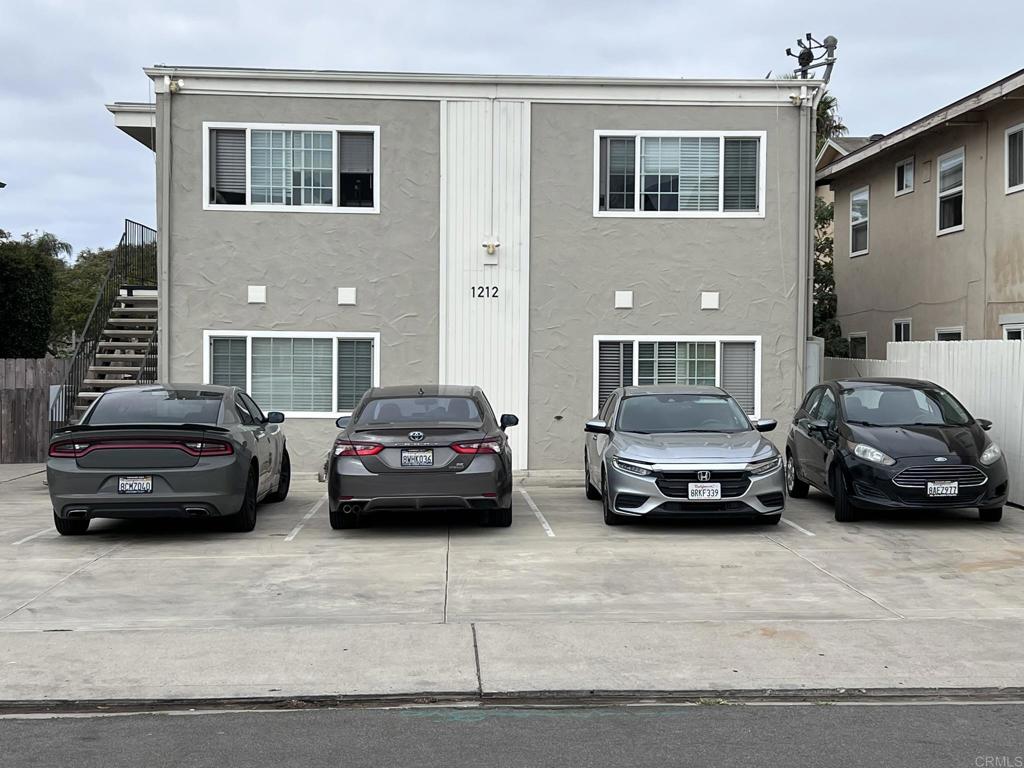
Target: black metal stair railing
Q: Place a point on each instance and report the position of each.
(147, 370)
(134, 265)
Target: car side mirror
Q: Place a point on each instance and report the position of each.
(765, 425)
(597, 427)
(275, 417)
(818, 425)
(984, 424)
(509, 420)
(342, 421)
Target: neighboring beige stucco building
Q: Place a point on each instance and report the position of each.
(932, 244)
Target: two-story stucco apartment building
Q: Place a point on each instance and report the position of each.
(929, 226)
(547, 238)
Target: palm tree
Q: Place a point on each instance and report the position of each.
(828, 122)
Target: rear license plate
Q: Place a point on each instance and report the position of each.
(706, 491)
(423, 457)
(944, 488)
(136, 484)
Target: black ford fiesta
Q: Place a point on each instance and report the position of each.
(893, 444)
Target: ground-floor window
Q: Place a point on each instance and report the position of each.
(729, 362)
(949, 334)
(858, 346)
(901, 330)
(304, 374)
(1014, 332)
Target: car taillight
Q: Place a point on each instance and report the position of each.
(68, 450)
(491, 445)
(352, 448)
(208, 448)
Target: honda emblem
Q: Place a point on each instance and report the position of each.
(703, 475)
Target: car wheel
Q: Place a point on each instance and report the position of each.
(610, 518)
(991, 515)
(769, 519)
(244, 520)
(68, 527)
(796, 487)
(592, 493)
(344, 520)
(284, 480)
(845, 511)
(498, 518)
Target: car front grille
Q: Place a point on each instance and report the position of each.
(677, 484)
(919, 477)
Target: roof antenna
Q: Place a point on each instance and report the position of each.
(421, 391)
(814, 55)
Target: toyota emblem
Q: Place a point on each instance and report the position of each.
(416, 436)
(703, 475)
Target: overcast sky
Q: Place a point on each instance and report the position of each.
(70, 172)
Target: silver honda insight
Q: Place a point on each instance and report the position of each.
(681, 451)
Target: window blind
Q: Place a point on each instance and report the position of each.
(698, 174)
(738, 372)
(227, 362)
(614, 368)
(355, 371)
(228, 166)
(740, 192)
(356, 152)
(292, 374)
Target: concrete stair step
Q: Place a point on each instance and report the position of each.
(115, 370)
(131, 321)
(123, 345)
(108, 383)
(123, 332)
(142, 311)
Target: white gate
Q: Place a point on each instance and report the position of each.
(986, 376)
(485, 279)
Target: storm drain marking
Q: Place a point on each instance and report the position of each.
(540, 516)
(312, 511)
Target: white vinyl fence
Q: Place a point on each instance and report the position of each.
(986, 376)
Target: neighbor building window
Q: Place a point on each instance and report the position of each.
(1013, 332)
(729, 362)
(858, 346)
(951, 192)
(905, 176)
(303, 374)
(949, 334)
(679, 173)
(901, 330)
(315, 168)
(1015, 159)
(860, 204)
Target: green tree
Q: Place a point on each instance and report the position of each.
(827, 120)
(826, 324)
(74, 296)
(28, 269)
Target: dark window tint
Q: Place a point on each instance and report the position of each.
(618, 173)
(157, 406)
(827, 407)
(355, 170)
(255, 410)
(419, 410)
(811, 401)
(888, 406)
(1015, 158)
(243, 412)
(951, 211)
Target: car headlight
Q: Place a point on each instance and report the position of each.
(630, 467)
(873, 455)
(764, 467)
(991, 454)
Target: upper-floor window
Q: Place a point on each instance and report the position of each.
(860, 204)
(951, 192)
(283, 167)
(1015, 159)
(679, 173)
(905, 176)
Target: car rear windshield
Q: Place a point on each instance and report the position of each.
(654, 414)
(886, 405)
(419, 410)
(157, 406)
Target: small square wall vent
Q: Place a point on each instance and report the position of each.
(346, 296)
(257, 294)
(623, 299)
(709, 300)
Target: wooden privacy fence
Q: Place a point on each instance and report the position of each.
(25, 407)
(986, 376)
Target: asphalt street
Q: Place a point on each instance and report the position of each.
(722, 736)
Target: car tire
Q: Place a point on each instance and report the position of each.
(244, 520)
(592, 493)
(991, 515)
(769, 519)
(795, 487)
(610, 518)
(341, 521)
(845, 511)
(498, 518)
(68, 527)
(284, 480)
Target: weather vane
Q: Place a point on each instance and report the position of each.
(814, 55)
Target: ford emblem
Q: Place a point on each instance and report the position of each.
(416, 436)
(940, 458)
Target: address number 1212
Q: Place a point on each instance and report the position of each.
(485, 291)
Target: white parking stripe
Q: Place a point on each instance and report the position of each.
(34, 535)
(312, 511)
(537, 512)
(791, 524)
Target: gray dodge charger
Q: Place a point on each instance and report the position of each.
(429, 447)
(187, 450)
(681, 451)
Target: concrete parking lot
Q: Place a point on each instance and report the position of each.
(558, 602)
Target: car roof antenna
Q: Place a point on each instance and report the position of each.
(421, 391)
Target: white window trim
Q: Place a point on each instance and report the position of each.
(962, 189)
(1006, 158)
(718, 340)
(895, 174)
(335, 335)
(910, 327)
(859, 335)
(951, 329)
(636, 213)
(276, 207)
(866, 220)
(1012, 327)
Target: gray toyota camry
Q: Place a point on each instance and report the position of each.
(681, 451)
(186, 450)
(429, 447)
